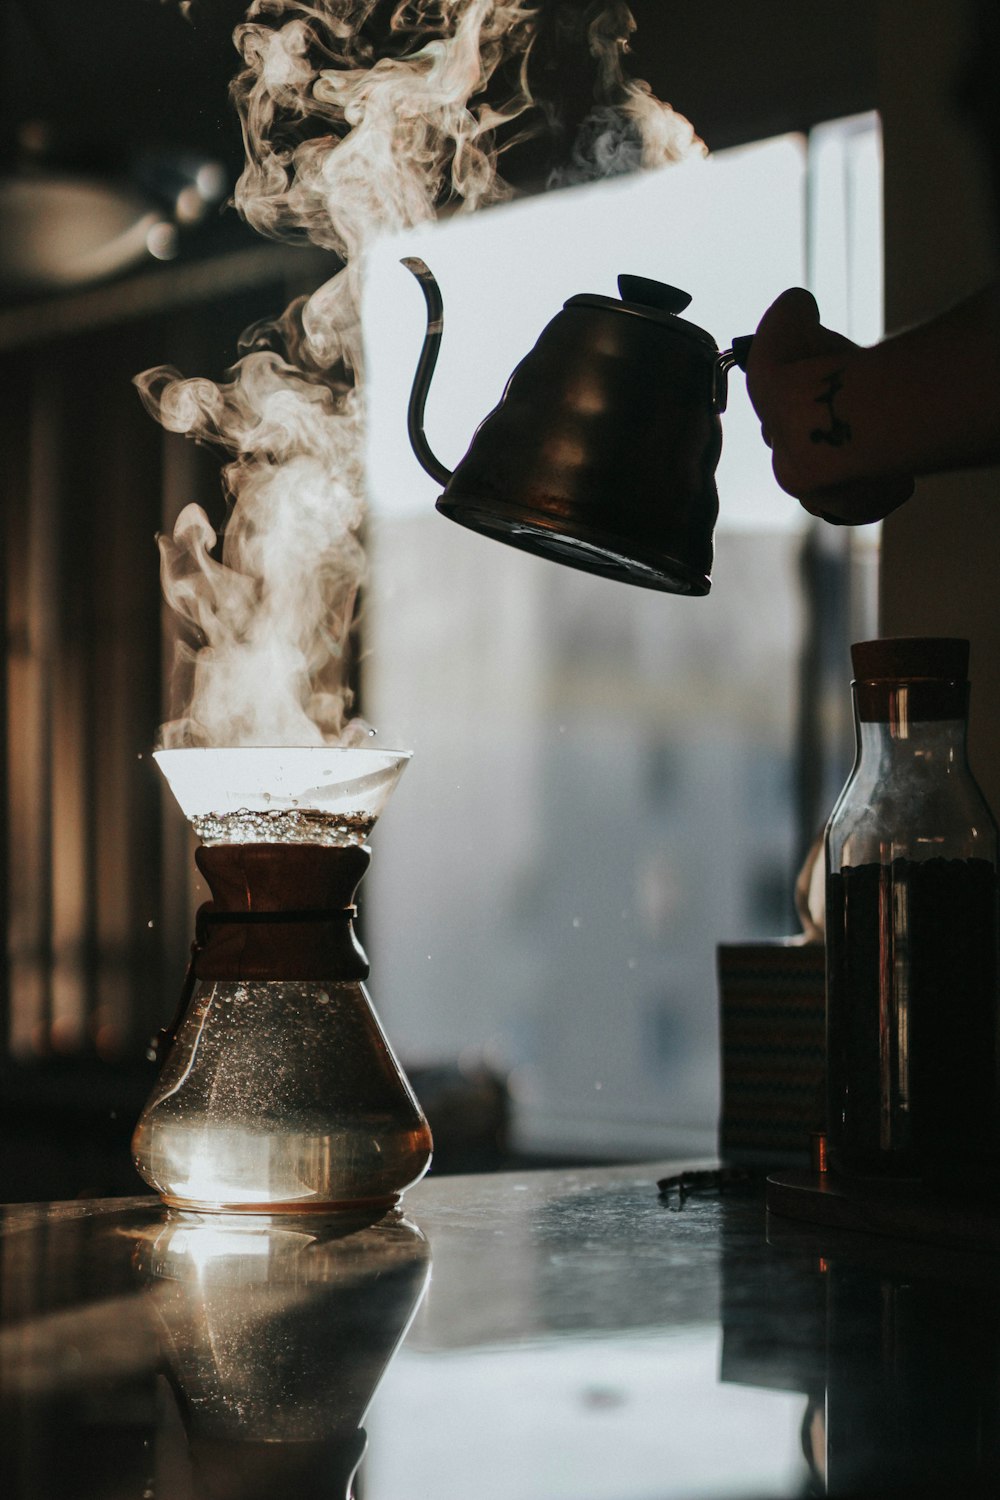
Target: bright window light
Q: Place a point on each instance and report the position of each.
(845, 225)
(616, 1411)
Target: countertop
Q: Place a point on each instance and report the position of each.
(535, 1335)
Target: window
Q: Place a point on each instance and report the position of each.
(607, 782)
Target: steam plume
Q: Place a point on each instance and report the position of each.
(342, 143)
(628, 129)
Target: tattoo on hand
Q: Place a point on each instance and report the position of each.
(839, 432)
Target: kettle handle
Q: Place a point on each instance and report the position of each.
(740, 352)
(736, 356)
(425, 370)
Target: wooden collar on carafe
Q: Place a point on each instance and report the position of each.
(279, 912)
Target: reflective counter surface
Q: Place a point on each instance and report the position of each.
(537, 1335)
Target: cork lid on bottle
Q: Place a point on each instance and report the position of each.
(910, 657)
(908, 678)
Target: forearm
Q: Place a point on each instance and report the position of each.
(934, 392)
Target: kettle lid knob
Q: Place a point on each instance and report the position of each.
(658, 294)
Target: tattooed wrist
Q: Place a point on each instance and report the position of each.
(838, 432)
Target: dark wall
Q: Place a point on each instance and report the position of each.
(941, 551)
(742, 72)
(108, 83)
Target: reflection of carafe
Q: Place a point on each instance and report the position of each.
(276, 1335)
(895, 1346)
(279, 1091)
(913, 1364)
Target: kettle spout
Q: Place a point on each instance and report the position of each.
(425, 370)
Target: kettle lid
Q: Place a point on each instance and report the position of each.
(653, 294)
(654, 300)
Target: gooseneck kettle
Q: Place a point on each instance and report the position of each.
(602, 451)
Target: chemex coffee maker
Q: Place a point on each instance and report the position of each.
(602, 451)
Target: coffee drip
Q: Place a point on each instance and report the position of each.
(278, 1090)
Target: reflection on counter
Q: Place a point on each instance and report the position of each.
(189, 1357)
(275, 1338)
(570, 1346)
(581, 1336)
(896, 1347)
(913, 1375)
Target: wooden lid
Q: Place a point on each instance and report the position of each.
(910, 658)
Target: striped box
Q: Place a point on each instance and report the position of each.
(772, 1004)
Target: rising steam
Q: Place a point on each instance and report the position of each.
(342, 145)
(628, 129)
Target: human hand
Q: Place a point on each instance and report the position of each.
(803, 381)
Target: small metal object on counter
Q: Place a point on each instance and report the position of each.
(708, 1182)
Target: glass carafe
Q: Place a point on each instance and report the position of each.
(278, 1091)
(911, 928)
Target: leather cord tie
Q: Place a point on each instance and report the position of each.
(277, 945)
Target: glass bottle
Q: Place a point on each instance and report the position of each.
(279, 1091)
(911, 928)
